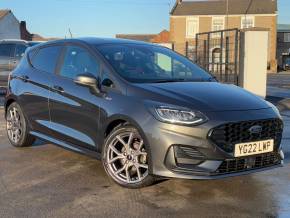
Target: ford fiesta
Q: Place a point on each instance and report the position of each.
(144, 110)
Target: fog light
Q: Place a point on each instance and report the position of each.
(187, 155)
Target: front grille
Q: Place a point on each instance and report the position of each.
(249, 163)
(227, 135)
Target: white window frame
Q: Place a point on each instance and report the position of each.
(247, 17)
(287, 37)
(218, 18)
(222, 27)
(190, 35)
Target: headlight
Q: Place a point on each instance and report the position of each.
(179, 116)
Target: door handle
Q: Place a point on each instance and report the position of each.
(58, 89)
(24, 78)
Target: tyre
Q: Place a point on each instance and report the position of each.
(17, 127)
(126, 159)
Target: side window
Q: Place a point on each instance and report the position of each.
(78, 61)
(20, 50)
(46, 58)
(7, 50)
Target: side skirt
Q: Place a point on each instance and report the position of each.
(67, 146)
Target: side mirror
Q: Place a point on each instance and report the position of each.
(89, 81)
(108, 83)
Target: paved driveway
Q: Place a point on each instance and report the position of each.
(278, 85)
(48, 181)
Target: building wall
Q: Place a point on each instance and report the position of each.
(205, 24)
(282, 47)
(178, 32)
(9, 27)
(271, 23)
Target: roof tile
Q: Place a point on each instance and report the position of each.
(219, 7)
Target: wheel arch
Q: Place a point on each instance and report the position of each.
(8, 102)
(116, 120)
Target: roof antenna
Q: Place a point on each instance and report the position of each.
(70, 33)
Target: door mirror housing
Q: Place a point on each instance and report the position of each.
(108, 83)
(89, 81)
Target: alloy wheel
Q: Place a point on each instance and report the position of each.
(14, 125)
(126, 158)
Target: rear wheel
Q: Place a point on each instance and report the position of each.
(17, 127)
(126, 158)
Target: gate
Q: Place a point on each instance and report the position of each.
(218, 53)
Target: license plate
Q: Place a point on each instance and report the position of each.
(252, 148)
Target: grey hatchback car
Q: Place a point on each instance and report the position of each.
(144, 110)
(11, 51)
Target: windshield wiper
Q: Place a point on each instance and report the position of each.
(210, 79)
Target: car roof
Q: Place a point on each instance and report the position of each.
(94, 41)
(17, 41)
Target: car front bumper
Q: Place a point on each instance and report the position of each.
(203, 158)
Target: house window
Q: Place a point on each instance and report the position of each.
(248, 22)
(218, 23)
(286, 37)
(192, 27)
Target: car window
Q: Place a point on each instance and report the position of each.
(78, 61)
(46, 58)
(20, 50)
(149, 64)
(7, 50)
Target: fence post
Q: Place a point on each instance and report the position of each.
(186, 49)
(208, 45)
(173, 46)
(237, 44)
(253, 61)
(196, 48)
(227, 59)
(221, 54)
(204, 54)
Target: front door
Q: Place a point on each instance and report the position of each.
(74, 108)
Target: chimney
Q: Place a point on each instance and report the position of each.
(25, 35)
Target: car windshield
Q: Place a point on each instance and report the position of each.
(151, 64)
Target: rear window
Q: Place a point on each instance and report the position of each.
(7, 50)
(45, 59)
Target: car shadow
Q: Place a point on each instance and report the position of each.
(39, 142)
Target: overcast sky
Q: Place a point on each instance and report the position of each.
(53, 18)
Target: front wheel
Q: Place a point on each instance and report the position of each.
(17, 127)
(125, 158)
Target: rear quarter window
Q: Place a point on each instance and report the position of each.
(45, 59)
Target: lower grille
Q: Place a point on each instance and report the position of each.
(249, 163)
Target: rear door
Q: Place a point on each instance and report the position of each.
(36, 82)
(74, 109)
(6, 53)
